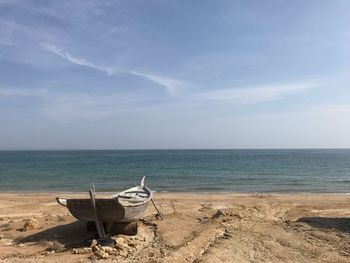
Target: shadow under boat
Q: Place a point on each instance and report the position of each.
(72, 234)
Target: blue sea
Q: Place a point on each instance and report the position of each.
(314, 171)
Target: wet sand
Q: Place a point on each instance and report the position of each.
(196, 228)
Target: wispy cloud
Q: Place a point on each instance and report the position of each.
(247, 95)
(239, 96)
(257, 94)
(76, 60)
(170, 84)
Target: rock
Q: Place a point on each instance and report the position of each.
(84, 250)
(1, 237)
(110, 250)
(95, 248)
(93, 243)
(132, 244)
(121, 244)
(102, 252)
(103, 255)
(218, 213)
(123, 253)
(54, 246)
(99, 252)
(107, 249)
(30, 224)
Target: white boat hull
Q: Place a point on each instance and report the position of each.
(127, 206)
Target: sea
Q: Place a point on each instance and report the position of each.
(240, 171)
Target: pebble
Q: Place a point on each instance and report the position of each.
(84, 250)
(124, 247)
(102, 252)
(218, 213)
(30, 224)
(93, 243)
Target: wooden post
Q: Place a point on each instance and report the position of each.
(99, 226)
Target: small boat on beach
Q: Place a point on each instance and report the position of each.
(124, 207)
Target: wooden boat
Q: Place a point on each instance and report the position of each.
(127, 206)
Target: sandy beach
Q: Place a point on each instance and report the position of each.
(196, 228)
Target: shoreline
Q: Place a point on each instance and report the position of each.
(176, 192)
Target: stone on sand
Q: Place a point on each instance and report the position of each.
(99, 252)
(219, 213)
(122, 246)
(30, 224)
(85, 250)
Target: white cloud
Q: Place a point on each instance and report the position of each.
(75, 60)
(248, 95)
(170, 84)
(257, 94)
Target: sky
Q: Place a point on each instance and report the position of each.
(179, 74)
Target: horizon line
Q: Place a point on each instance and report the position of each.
(174, 149)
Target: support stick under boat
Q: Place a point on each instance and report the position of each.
(99, 226)
(158, 212)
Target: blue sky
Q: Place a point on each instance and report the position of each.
(174, 74)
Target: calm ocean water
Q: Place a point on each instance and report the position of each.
(178, 170)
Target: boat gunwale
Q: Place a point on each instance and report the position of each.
(63, 201)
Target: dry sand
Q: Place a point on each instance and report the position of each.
(196, 228)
